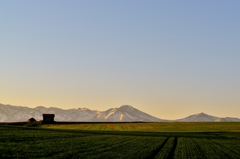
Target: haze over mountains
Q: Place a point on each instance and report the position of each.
(125, 113)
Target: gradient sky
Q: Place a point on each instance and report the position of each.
(168, 59)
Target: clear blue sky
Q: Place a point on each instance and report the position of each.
(169, 59)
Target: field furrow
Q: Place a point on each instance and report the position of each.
(165, 149)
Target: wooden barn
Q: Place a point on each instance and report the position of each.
(32, 120)
(48, 118)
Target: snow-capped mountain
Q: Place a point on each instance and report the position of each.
(202, 117)
(125, 113)
(10, 113)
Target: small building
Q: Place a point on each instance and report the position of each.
(31, 120)
(48, 118)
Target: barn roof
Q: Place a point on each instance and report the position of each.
(50, 115)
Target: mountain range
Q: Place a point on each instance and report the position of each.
(125, 113)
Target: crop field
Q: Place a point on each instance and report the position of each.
(153, 127)
(29, 142)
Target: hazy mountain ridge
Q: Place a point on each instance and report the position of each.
(9, 113)
(202, 117)
(125, 113)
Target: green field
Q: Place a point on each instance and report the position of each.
(153, 127)
(39, 142)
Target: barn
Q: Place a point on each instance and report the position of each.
(48, 118)
(31, 120)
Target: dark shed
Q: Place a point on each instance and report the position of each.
(48, 118)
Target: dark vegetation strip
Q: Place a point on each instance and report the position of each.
(155, 152)
(225, 150)
(230, 147)
(96, 150)
(171, 154)
(90, 149)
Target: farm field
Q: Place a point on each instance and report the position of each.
(153, 127)
(35, 142)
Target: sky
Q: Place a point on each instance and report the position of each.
(169, 59)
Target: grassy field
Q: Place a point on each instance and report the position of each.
(153, 127)
(39, 142)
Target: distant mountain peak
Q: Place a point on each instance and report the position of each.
(125, 113)
(40, 106)
(126, 106)
(199, 114)
(202, 117)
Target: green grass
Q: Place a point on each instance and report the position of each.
(35, 142)
(153, 127)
